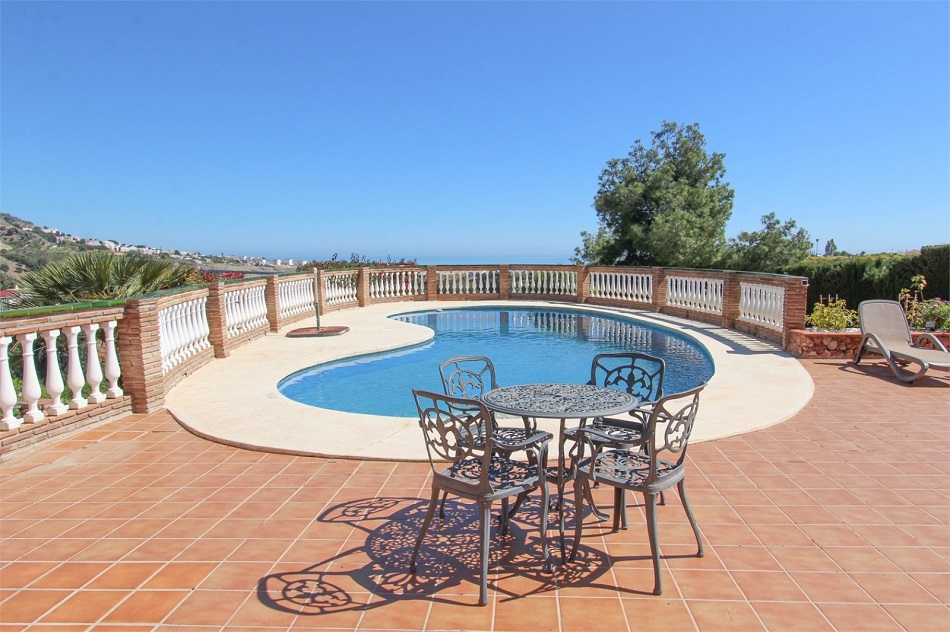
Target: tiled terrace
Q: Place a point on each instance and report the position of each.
(835, 519)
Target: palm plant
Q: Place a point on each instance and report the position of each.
(99, 275)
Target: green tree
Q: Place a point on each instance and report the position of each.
(771, 249)
(666, 204)
(98, 275)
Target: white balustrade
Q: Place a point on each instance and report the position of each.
(295, 297)
(83, 370)
(695, 293)
(93, 367)
(339, 288)
(467, 282)
(245, 309)
(551, 282)
(384, 284)
(75, 379)
(8, 396)
(30, 390)
(183, 331)
(623, 286)
(762, 304)
(54, 375)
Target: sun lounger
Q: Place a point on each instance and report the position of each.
(885, 331)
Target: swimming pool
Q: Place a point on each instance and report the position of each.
(526, 345)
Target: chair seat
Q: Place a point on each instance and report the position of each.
(503, 473)
(629, 469)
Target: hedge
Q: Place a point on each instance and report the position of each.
(864, 277)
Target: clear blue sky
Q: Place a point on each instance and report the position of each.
(422, 129)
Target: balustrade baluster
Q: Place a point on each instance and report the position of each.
(54, 376)
(30, 392)
(75, 379)
(93, 367)
(112, 369)
(8, 396)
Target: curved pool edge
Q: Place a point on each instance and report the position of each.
(235, 400)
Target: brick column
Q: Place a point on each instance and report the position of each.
(583, 283)
(504, 281)
(139, 345)
(217, 319)
(659, 289)
(796, 306)
(272, 299)
(731, 295)
(362, 287)
(432, 283)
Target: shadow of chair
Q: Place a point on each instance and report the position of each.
(655, 464)
(474, 470)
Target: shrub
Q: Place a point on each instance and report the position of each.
(833, 316)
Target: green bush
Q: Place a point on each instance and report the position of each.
(833, 316)
(932, 311)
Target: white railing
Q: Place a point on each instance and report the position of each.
(622, 286)
(552, 282)
(761, 304)
(77, 376)
(182, 331)
(340, 287)
(295, 297)
(468, 282)
(695, 293)
(245, 309)
(384, 284)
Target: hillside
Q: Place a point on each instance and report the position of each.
(25, 247)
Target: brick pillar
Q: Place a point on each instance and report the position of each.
(731, 294)
(432, 283)
(659, 289)
(583, 283)
(504, 281)
(139, 345)
(217, 319)
(362, 287)
(796, 306)
(272, 299)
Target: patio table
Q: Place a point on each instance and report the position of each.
(562, 402)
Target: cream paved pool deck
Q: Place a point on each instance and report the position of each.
(235, 400)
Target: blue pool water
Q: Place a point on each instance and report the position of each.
(526, 345)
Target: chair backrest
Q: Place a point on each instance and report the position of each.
(448, 426)
(639, 374)
(467, 376)
(884, 318)
(669, 428)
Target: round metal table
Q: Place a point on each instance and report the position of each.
(563, 402)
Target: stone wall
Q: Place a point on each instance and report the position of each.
(835, 344)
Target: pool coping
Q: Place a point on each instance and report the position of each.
(235, 400)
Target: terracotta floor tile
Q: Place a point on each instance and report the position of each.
(22, 574)
(709, 585)
(747, 558)
(854, 616)
(831, 587)
(29, 605)
(893, 588)
(235, 575)
(409, 614)
(458, 614)
(181, 575)
(146, 606)
(805, 617)
(860, 559)
(768, 586)
(920, 617)
(70, 575)
(86, 606)
(125, 575)
(724, 615)
(530, 613)
(207, 607)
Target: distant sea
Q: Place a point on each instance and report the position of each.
(451, 260)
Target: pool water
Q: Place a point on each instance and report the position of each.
(526, 345)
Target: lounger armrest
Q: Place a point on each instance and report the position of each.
(932, 338)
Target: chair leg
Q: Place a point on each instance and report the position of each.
(425, 525)
(650, 501)
(589, 495)
(442, 506)
(619, 509)
(623, 509)
(545, 553)
(503, 517)
(579, 484)
(681, 487)
(484, 528)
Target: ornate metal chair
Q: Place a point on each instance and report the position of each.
(635, 468)
(475, 470)
(639, 374)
